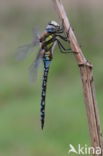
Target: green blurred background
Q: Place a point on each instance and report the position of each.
(66, 123)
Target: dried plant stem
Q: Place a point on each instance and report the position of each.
(87, 80)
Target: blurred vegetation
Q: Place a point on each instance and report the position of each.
(66, 123)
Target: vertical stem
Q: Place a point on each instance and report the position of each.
(87, 81)
(91, 106)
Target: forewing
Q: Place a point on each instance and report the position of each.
(25, 50)
(36, 33)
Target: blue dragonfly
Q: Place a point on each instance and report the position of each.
(52, 35)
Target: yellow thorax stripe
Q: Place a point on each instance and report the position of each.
(47, 52)
(49, 37)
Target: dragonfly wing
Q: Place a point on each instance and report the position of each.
(24, 51)
(34, 67)
(36, 37)
(36, 33)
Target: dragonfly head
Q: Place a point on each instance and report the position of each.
(53, 27)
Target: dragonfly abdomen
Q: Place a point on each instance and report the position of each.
(44, 85)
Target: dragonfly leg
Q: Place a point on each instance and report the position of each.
(62, 37)
(63, 49)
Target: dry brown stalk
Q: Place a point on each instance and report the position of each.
(86, 74)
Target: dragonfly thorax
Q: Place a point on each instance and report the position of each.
(48, 43)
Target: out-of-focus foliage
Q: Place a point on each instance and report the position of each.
(66, 123)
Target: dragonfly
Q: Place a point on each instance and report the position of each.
(52, 35)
